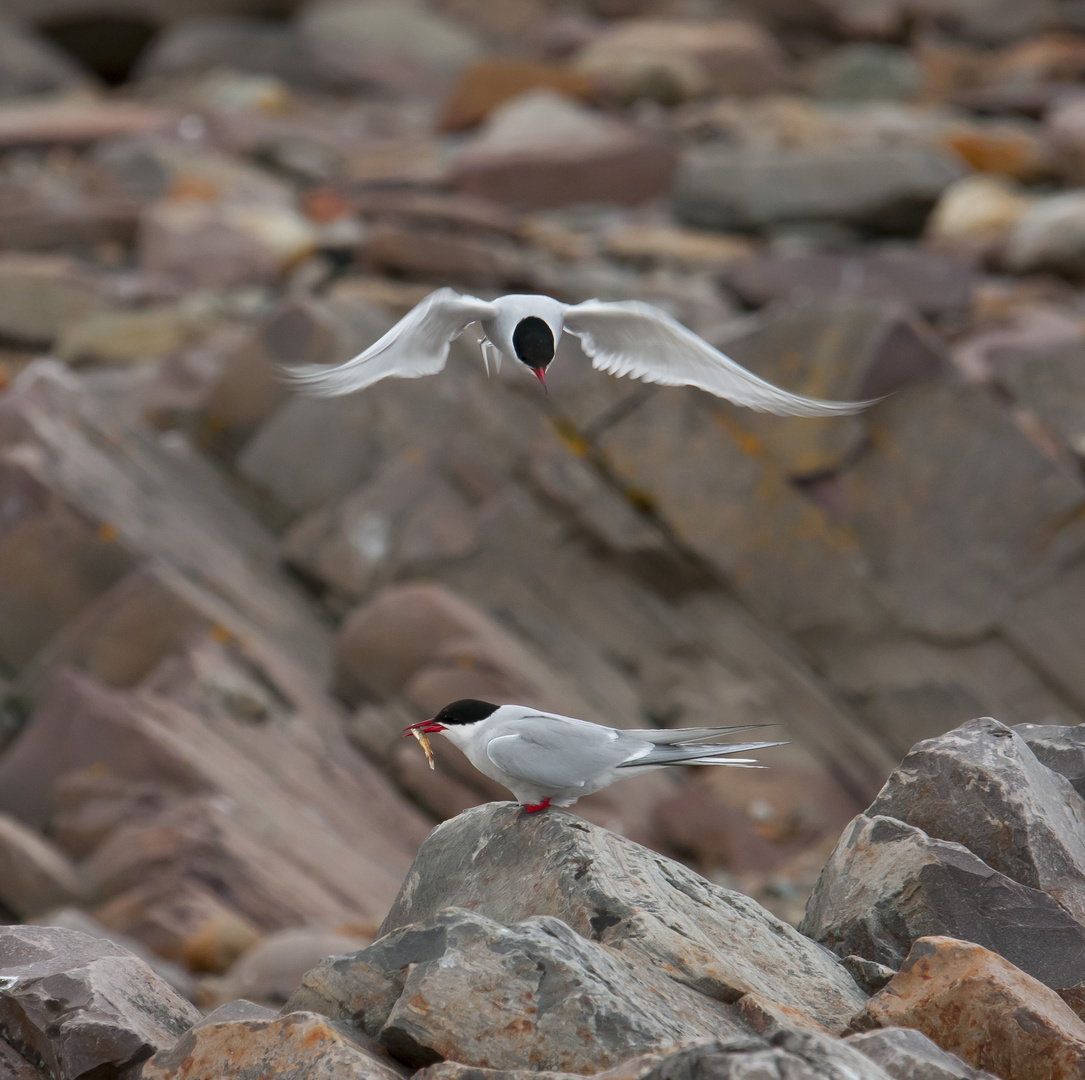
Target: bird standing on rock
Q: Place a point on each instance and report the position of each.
(622, 338)
(545, 759)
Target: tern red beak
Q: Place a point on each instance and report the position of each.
(427, 727)
(540, 374)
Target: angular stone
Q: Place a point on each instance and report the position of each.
(460, 986)
(43, 295)
(272, 970)
(1050, 382)
(406, 521)
(78, 1006)
(70, 918)
(674, 922)
(222, 247)
(1049, 236)
(796, 1055)
(888, 884)
(933, 285)
(837, 349)
(488, 83)
(907, 1054)
(675, 61)
(394, 46)
(264, 792)
(690, 249)
(30, 64)
(864, 72)
(908, 689)
(411, 631)
(300, 1045)
(132, 336)
(54, 559)
(238, 42)
(540, 149)
(977, 214)
(100, 475)
(723, 496)
(179, 919)
(886, 188)
(961, 995)
(13, 1066)
(981, 786)
(922, 526)
(1061, 749)
(1043, 626)
(34, 875)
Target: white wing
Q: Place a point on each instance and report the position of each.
(631, 338)
(417, 345)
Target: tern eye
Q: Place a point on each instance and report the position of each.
(533, 341)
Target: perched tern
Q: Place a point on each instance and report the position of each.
(622, 338)
(545, 759)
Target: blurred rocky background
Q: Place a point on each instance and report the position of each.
(220, 604)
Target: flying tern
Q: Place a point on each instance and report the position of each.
(545, 759)
(622, 338)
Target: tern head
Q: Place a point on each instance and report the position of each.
(457, 714)
(533, 341)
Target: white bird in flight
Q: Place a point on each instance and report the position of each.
(622, 338)
(544, 758)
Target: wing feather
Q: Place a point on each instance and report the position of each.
(641, 341)
(417, 345)
(557, 752)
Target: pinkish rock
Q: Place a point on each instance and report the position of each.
(541, 149)
(676, 61)
(34, 874)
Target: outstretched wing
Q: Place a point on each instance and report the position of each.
(636, 339)
(417, 345)
(559, 752)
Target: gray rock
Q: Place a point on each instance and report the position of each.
(870, 976)
(34, 874)
(885, 188)
(957, 510)
(397, 46)
(935, 285)
(907, 1054)
(791, 1054)
(867, 72)
(1061, 749)
(508, 867)
(981, 786)
(77, 1006)
(31, 65)
(237, 42)
(458, 986)
(13, 1066)
(887, 884)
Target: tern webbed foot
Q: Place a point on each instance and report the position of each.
(534, 808)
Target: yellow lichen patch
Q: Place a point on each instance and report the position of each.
(107, 532)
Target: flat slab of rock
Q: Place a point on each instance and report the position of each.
(980, 785)
(502, 864)
(887, 884)
(303, 1046)
(907, 1054)
(977, 1005)
(79, 1006)
(458, 986)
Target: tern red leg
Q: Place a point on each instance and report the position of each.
(534, 808)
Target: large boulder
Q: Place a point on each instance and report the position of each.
(888, 884)
(459, 986)
(79, 1006)
(497, 862)
(980, 785)
(977, 1005)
